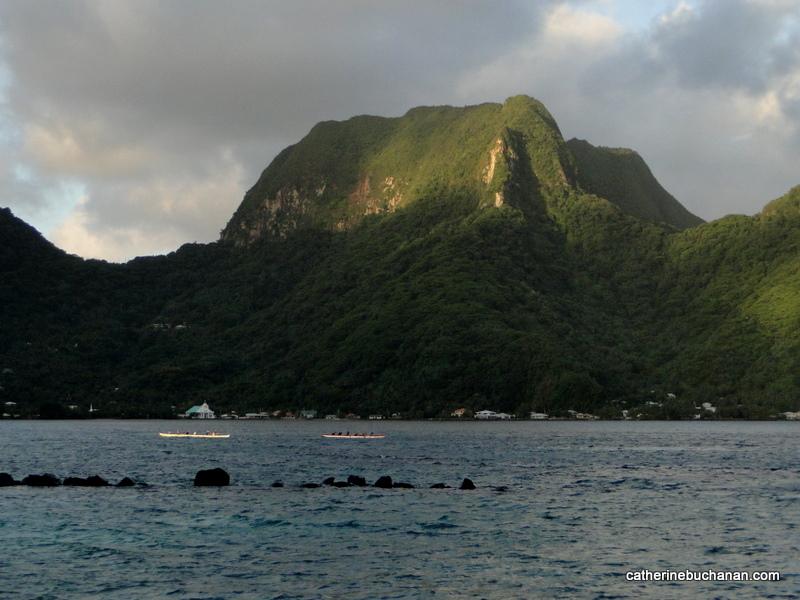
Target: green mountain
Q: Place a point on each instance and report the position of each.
(449, 257)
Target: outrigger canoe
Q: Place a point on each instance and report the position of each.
(206, 435)
(354, 436)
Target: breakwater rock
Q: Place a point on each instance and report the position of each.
(218, 477)
(7, 480)
(93, 481)
(384, 482)
(212, 477)
(45, 480)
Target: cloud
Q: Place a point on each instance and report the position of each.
(139, 127)
(78, 234)
(734, 44)
(125, 219)
(58, 149)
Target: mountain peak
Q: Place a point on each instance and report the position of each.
(345, 171)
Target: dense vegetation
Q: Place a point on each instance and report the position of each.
(451, 257)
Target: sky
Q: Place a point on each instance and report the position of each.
(130, 128)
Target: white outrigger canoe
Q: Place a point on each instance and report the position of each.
(353, 436)
(207, 435)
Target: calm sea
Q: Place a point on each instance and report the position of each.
(587, 502)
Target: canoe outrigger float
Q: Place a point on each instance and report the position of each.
(207, 435)
(353, 436)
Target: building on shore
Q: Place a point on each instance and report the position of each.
(201, 411)
(490, 415)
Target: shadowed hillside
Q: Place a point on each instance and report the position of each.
(621, 176)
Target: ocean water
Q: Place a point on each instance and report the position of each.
(586, 503)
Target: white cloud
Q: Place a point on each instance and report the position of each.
(538, 62)
(570, 25)
(680, 14)
(61, 150)
(119, 221)
(78, 235)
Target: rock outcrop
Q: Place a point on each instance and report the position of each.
(45, 480)
(384, 482)
(7, 480)
(212, 477)
(402, 485)
(93, 481)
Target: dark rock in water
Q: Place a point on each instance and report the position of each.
(215, 477)
(356, 480)
(402, 485)
(277, 484)
(93, 481)
(340, 484)
(500, 488)
(384, 482)
(7, 480)
(126, 482)
(328, 481)
(439, 486)
(75, 481)
(309, 485)
(46, 480)
(467, 484)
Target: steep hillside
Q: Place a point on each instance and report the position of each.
(733, 307)
(621, 176)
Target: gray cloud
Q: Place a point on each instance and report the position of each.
(164, 113)
(730, 43)
(204, 68)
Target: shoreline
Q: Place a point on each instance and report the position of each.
(410, 420)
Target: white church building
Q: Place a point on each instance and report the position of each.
(200, 412)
